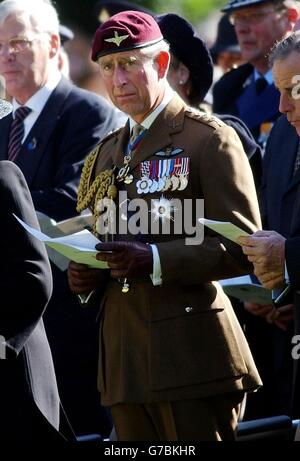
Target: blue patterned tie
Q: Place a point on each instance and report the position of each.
(17, 132)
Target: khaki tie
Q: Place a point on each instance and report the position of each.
(135, 132)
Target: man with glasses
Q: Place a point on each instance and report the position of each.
(53, 127)
(248, 91)
(259, 24)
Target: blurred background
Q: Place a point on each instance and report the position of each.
(84, 16)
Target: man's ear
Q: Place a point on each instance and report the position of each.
(54, 45)
(183, 74)
(293, 15)
(163, 61)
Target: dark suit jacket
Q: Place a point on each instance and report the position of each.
(279, 200)
(181, 340)
(51, 158)
(232, 86)
(228, 89)
(279, 188)
(70, 125)
(29, 399)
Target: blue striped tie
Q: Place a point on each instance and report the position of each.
(17, 132)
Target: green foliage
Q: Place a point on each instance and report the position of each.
(190, 9)
(83, 12)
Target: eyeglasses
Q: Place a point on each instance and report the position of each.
(16, 44)
(253, 18)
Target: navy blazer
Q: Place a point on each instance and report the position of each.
(235, 94)
(280, 188)
(52, 155)
(29, 399)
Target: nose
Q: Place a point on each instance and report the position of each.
(119, 77)
(285, 104)
(6, 52)
(241, 27)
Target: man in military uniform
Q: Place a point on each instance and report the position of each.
(174, 363)
(248, 91)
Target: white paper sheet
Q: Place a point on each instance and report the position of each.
(227, 229)
(78, 247)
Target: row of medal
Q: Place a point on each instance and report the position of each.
(163, 175)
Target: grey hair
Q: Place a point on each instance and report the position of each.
(282, 49)
(152, 51)
(42, 14)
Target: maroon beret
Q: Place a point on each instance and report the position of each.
(125, 31)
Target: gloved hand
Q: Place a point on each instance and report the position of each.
(127, 259)
(82, 279)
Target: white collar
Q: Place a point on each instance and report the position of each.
(268, 76)
(38, 100)
(169, 93)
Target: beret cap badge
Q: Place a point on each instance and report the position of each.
(117, 39)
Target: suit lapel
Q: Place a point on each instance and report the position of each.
(37, 140)
(5, 129)
(290, 160)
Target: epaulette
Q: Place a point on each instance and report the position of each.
(204, 118)
(111, 134)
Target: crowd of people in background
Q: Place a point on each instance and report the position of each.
(151, 349)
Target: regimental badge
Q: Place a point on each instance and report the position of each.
(117, 39)
(168, 152)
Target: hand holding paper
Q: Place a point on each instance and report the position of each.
(266, 250)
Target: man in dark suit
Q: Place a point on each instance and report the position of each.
(270, 250)
(191, 74)
(61, 126)
(248, 91)
(29, 398)
(174, 364)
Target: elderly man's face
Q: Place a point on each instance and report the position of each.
(286, 75)
(133, 81)
(24, 57)
(257, 29)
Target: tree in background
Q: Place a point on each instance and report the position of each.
(82, 13)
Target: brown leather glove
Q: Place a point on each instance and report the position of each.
(82, 279)
(127, 259)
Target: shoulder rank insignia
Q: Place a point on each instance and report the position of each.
(169, 152)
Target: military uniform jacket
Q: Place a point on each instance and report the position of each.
(181, 340)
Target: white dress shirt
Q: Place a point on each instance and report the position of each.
(37, 102)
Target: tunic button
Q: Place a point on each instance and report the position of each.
(189, 309)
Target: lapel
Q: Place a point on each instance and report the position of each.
(280, 202)
(159, 136)
(294, 182)
(37, 140)
(5, 129)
